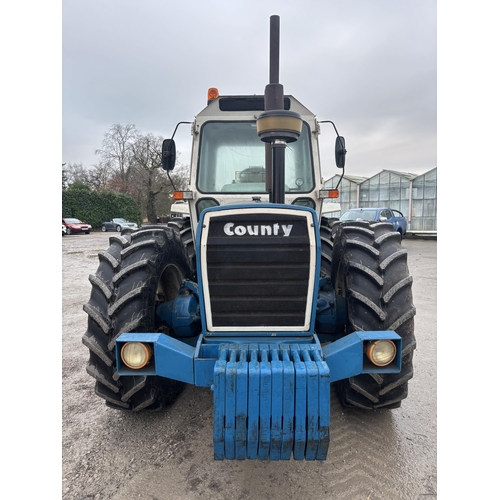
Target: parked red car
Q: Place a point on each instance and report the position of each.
(75, 226)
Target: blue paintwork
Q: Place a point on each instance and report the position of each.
(266, 425)
(269, 206)
(276, 404)
(171, 359)
(272, 400)
(183, 313)
(324, 405)
(346, 357)
(241, 404)
(264, 404)
(330, 309)
(195, 365)
(271, 389)
(253, 402)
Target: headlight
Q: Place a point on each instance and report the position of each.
(136, 355)
(381, 352)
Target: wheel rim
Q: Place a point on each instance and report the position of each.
(103, 229)
(169, 283)
(118, 228)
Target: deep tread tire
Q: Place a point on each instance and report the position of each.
(369, 269)
(138, 269)
(186, 235)
(325, 234)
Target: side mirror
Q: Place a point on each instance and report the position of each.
(340, 151)
(382, 219)
(168, 154)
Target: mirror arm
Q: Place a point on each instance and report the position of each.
(329, 121)
(170, 179)
(340, 180)
(339, 153)
(177, 126)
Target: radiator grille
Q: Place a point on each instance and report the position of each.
(258, 269)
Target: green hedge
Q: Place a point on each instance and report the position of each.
(97, 207)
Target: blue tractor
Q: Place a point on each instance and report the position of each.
(255, 295)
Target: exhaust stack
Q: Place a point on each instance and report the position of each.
(276, 126)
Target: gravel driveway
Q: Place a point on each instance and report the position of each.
(109, 454)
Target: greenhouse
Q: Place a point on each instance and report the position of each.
(413, 195)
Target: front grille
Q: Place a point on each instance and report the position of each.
(257, 268)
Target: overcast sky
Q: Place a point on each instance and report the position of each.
(369, 66)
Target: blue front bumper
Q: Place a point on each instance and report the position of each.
(271, 398)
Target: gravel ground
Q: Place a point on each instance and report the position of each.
(109, 454)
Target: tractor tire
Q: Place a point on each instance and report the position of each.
(325, 234)
(370, 271)
(139, 270)
(186, 234)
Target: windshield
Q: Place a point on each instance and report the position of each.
(232, 160)
(359, 215)
(72, 221)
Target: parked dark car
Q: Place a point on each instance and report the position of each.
(75, 226)
(383, 214)
(117, 225)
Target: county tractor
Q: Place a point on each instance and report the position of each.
(254, 294)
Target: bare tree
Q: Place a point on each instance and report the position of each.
(179, 178)
(149, 177)
(117, 152)
(101, 175)
(64, 176)
(180, 175)
(76, 172)
(130, 163)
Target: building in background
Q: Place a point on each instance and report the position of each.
(413, 195)
(424, 202)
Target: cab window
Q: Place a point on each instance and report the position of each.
(232, 160)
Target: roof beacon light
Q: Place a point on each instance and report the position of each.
(213, 93)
